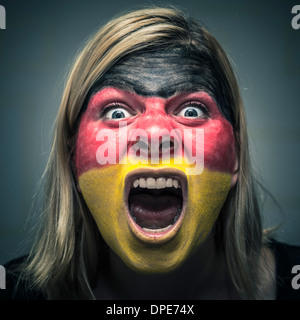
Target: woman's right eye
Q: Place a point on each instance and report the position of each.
(117, 113)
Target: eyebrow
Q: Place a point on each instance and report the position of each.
(164, 92)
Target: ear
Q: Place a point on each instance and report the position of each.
(235, 175)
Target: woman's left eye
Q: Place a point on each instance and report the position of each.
(117, 114)
(191, 112)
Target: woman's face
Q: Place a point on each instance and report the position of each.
(155, 158)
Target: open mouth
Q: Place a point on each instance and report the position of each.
(155, 201)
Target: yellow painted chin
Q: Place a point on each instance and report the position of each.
(103, 190)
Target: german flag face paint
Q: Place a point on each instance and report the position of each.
(154, 169)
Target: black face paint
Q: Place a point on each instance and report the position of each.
(164, 73)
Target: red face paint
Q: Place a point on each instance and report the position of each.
(152, 114)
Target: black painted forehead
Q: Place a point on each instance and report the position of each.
(163, 73)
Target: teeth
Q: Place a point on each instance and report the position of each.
(151, 183)
(143, 183)
(175, 184)
(136, 183)
(159, 183)
(158, 230)
(169, 183)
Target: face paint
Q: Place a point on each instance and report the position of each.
(155, 215)
(183, 71)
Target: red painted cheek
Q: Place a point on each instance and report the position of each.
(219, 146)
(87, 144)
(85, 147)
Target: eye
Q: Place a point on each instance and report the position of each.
(116, 113)
(192, 111)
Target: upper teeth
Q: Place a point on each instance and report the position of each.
(159, 183)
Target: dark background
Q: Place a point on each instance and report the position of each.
(38, 45)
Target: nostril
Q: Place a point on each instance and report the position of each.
(143, 145)
(168, 144)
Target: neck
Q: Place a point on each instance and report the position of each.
(202, 276)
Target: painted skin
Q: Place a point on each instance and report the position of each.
(105, 188)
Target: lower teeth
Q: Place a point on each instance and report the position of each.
(158, 230)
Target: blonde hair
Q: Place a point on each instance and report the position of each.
(64, 259)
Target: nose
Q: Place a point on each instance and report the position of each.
(157, 143)
(158, 139)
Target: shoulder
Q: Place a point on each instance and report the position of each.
(16, 287)
(287, 260)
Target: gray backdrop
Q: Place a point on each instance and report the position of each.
(40, 39)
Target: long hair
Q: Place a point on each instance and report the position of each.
(67, 252)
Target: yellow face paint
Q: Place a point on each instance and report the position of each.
(103, 191)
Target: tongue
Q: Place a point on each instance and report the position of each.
(154, 212)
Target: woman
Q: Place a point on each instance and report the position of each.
(149, 183)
